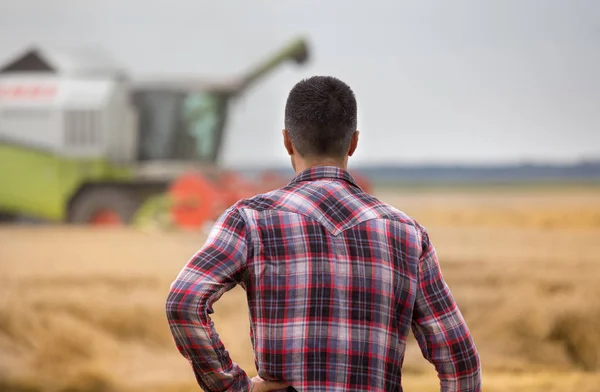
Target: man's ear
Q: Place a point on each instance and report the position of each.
(353, 144)
(287, 142)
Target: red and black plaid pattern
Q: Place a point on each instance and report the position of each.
(335, 281)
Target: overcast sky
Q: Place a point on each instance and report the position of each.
(468, 81)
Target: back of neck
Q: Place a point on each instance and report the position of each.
(304, 164)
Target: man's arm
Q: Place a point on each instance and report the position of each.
(441, 330)
(216, 268)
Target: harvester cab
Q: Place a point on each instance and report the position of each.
(81, 142)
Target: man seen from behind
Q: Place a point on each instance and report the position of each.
(335, 279)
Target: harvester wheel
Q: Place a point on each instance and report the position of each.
(7, 217)
(104, 206)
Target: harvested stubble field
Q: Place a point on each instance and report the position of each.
(81, 310)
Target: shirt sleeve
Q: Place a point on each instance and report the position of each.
(216, 268)
(441, 330)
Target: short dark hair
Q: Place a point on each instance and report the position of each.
(320, 116)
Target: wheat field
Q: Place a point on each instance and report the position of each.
(82, 310)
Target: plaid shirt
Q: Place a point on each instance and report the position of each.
(335, 280)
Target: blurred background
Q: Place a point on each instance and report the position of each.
(126, 127)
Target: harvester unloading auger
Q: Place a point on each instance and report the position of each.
(81, 143)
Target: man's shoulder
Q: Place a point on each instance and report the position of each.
(262, 201)
(387, 211)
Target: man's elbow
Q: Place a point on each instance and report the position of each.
(462, 371)
(176, 304)
(468, 371)
(184, 303)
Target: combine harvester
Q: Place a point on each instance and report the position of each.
(81, 143)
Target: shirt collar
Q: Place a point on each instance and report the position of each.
(322, 172)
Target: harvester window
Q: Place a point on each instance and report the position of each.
(179, 126)
(202, 118)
